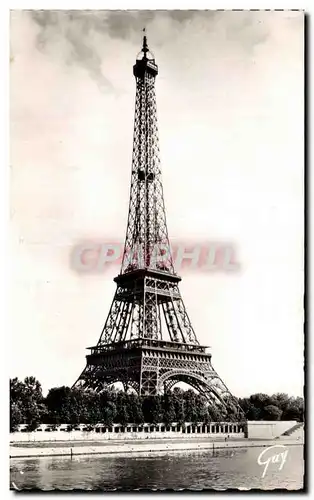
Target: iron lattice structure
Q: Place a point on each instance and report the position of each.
(132, 348)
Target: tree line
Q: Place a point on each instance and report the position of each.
(75, 406)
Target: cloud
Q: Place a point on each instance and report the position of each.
(81, 35)
(71, 32)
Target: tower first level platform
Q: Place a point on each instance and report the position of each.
(150, 366)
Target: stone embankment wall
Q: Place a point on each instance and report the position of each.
(252, 430)
(262, 429)
(131, 431)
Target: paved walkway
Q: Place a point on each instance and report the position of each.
(125, 447)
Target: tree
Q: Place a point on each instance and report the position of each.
(152, 409)
(73, 406)
(200, 408)
(168, 409)
(17, 400)
(16, 416)
(214, 413)
(191, 408)
(134, 408)
(179, 405)
(17, 390)
(232, 409)
(272, 412)
(108, 407)
(33, 389)
(27, 402)
(250, 410)
(90, 411)
(59, 405)
(157, 413)
(294, 410)
(34, 414)
(77, 399)
(122, 416)
(260, 400)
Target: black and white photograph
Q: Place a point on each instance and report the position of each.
(157, 245)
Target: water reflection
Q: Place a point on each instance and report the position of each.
(219, 469)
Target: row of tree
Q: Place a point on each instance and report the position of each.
(73, 406)
(276, 407)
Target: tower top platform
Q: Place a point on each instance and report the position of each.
(145, 62)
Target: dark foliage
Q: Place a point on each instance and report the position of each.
(74, 406)
(276, 407)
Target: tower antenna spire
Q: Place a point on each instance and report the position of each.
(145, 46)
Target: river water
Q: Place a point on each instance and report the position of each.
(196, 470)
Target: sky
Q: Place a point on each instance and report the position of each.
(230, 114)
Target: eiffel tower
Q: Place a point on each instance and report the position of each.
(132, 348)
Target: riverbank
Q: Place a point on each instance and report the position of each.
(127, 447)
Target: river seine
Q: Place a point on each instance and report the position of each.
(220, 469)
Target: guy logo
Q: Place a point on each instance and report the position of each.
(276, 458)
